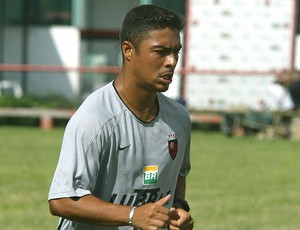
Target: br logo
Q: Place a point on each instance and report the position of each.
(150, 174)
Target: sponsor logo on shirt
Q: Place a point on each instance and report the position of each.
(139, 197)
(150, 175)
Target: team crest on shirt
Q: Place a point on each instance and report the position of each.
(173, 147)
(172, 144)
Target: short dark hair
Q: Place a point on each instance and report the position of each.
(142, 19)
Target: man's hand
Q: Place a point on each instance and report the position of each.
(152, 216)
(180, 219)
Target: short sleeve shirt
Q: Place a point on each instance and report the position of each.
(109, 153)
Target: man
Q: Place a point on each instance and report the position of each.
(290, 79)
(125, 152)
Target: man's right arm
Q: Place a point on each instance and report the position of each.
(89, 209)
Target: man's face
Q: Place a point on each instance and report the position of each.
(154, 63)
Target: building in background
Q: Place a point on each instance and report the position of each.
(71, 47)
(44, 44)
(234, 49)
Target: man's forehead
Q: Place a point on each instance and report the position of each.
(164, 38)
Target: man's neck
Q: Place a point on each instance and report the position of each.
(142, 104)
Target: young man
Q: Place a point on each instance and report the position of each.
(125, 152)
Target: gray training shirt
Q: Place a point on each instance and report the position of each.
(109, 153)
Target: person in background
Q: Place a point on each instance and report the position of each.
(290, 79)
(125, 154)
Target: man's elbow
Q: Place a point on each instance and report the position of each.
(54, 207)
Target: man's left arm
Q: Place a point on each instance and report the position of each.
(180, 216)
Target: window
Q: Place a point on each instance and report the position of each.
(36, 12)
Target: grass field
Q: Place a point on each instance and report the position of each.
(235, 183)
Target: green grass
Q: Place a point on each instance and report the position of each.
(235, 183)
(28, 157)
(244, 183)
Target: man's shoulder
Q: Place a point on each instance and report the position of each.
(106, 89)
(102, 96)
(172, 106)
(101, 105)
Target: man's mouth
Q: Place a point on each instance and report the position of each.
(167, 77)
(167, 74)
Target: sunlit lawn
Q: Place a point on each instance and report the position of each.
(244, 183)
(235, 183)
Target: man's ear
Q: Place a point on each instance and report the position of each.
(127, 50)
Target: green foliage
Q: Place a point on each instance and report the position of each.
(30, 101)
(17, 121)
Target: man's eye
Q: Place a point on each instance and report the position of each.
(163, 52)
(166, 52)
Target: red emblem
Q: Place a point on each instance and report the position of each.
(173, 146)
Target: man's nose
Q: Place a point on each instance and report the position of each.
(172, 59)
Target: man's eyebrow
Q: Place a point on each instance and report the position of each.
(160, 47)
(166, 47)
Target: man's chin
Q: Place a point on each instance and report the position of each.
(163, 89)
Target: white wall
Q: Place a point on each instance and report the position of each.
(46, 46)
(12, 53)
(57, 45)
(239, 38)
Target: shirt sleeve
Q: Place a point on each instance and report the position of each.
(186, 164)
(78, 164)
